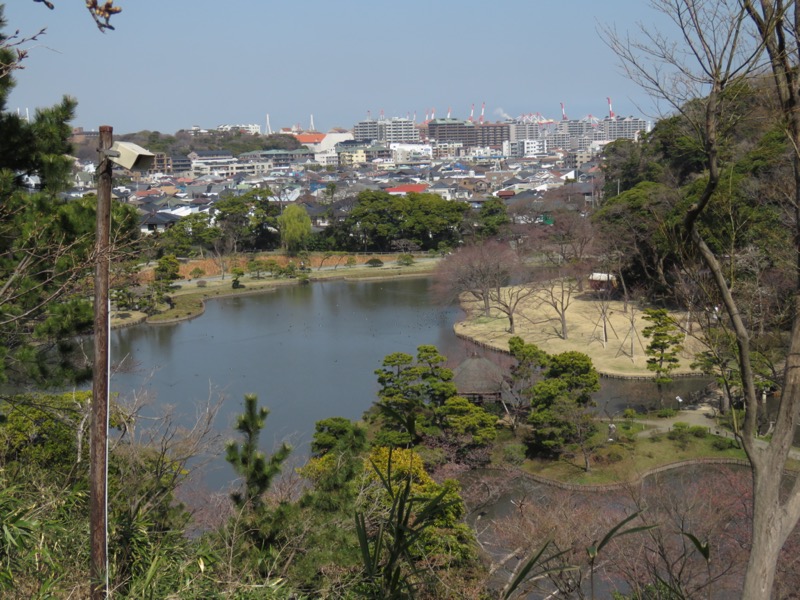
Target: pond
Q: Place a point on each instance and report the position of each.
(309, 352)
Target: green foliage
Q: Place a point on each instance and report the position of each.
(630, 414)
(248, 461)
(192, 235)
(374, 262)
(569, 374)
(237, 273)
(378, 219)
(666, 413)
(405, 260)
(410, 390)
(558, 389)
(665, 344)
(167, 269)
(420, 521)
(294, 225)
(558, 425)
(492, 218)
(466, 420)
(256, 267)
(722, 444)
(337, 434)
(19, 532)
(196, 273)
(514, 453)
(43, 430)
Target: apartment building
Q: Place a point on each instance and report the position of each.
(386, 131)
(468, 133)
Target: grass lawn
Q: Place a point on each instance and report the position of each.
(620, 461)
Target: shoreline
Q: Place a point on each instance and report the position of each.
(223, 289)
(189, 303)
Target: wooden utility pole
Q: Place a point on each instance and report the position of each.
(98, 472)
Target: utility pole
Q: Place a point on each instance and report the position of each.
(98, 471)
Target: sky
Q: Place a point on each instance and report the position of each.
(174, 64)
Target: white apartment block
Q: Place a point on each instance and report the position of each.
(229, 167)
(404, 153)
(252, 129)
(391, 130)
(525, 148)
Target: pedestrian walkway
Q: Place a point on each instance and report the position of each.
(701, 415)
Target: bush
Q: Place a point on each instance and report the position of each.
(374, 262)
(680, 433)
(514, 454)
(405, 260)
(629, 414)
(201, 283)
(351, 261)
(698, 431)
(724, 444)
(614, 456)
(666, 413)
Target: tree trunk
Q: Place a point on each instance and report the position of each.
(768, 533)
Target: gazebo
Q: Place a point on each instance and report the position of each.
(479, 380)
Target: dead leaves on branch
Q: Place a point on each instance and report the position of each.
(101, 12)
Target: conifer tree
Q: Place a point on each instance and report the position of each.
(253, 465)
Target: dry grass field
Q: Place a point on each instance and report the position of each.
(623, 354)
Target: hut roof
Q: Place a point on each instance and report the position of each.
(478, 375)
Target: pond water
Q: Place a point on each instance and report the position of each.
(309, 352)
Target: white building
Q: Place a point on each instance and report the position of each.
(252, 129)
(391, 130)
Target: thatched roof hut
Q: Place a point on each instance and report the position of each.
(480, 380)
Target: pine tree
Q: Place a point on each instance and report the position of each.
(248, 461)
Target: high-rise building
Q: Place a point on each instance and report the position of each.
(386, 130)
(468, 133)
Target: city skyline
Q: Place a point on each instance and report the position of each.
(171, 66)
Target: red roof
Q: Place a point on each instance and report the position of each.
(410, 188)
(310, 138)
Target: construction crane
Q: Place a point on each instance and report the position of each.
(611, 114)
(591, 119)
(483, 110)
(472, 113)
(563, 113)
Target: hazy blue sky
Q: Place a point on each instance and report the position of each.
(172, 64)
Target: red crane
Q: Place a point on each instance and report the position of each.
(563, 112)
(483, 110)
(611, 114)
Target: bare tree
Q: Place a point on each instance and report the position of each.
(508, 299)
(557, 288)
(479, 270)
(720, 43)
